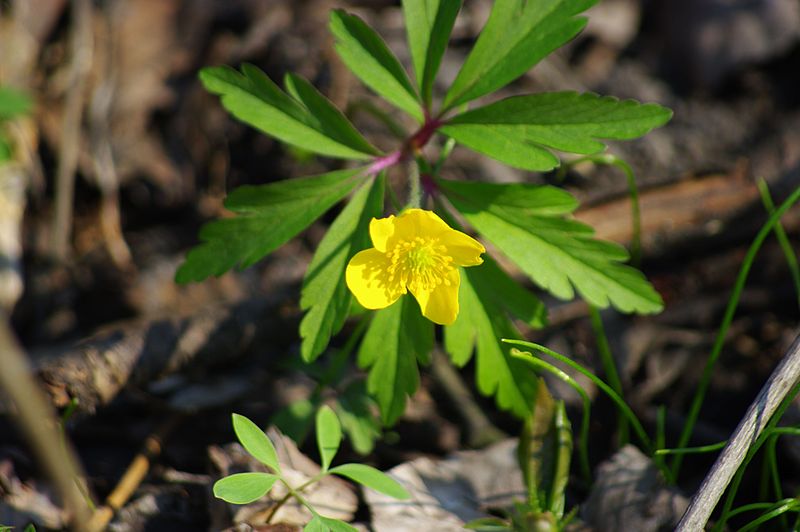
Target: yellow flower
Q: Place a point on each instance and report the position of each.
(418, 252)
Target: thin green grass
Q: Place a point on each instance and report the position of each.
(618, 401)
(610, 369)
(583, 440)
(733, 302)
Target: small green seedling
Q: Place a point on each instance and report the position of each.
(543, 453)
(244, 488)
(13, 104)
(473, 298)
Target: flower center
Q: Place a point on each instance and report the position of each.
(420, 264)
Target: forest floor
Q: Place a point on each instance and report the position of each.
(154, 154)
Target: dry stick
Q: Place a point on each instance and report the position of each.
(133, 476)
(480, 430)
(100, 107)
(71, 127)
(785, 376)
(38, 422)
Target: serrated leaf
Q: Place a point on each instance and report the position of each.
(428, 24)
(518, 34)
(508, 295)
(519, 130)
(243, 488)
(255, 442)
(372, 478)
(13, 103)
(268, 217)
(558, 253)
(331, 119)
(355, 410)
(329, 435)
(325, 295)
(544, 452)
(397, 337)
(254, 99)
(368, 57)
(543, 200)
(479, 326)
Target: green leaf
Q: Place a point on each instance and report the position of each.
(506, 294)
(528, 199)
(557, 253)
(544, 452)
(480, 324)
(397, 337)
(365, 53)
(355, 410)
(429, 24)
(296, 419)
(315, 525)
(372, 478)
(488, 524)
(518, 130)
(335, 525)
(325, 295)
(331, 119)
(243, 488)
(329, 435)
(268, 217)
(5, 152)
(518, 34)
(13, 103)
(254, 99)
(255, 442)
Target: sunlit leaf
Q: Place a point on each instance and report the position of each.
(329, 435)
(325, 296)
(521, 130)
(372, 478)
(254, 99)
(518, 34)
(255, 442)
(243, 488)
(558, 253)
(479, 326)
(335, 525)
(267, 217)
(365, 53)
(331, 120)
(428, 23)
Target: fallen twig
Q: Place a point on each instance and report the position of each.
(97, 369)
(71, 126)
(785, 376)
(39, 423)
(133, 476)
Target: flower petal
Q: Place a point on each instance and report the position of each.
(413, 223)
(440, 305)
(367, 277)
(465, 250)
(380, 230)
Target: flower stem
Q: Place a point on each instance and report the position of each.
(294, 492)
(414, 187)
(610, 368)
